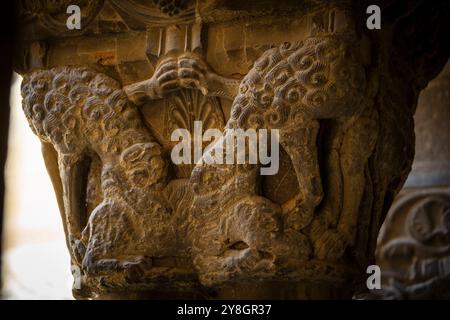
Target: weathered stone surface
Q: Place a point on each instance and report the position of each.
(104, 101)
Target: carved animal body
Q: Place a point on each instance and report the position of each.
(289, 88)
(87, 118)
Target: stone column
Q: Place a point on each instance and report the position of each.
(105, 100)
(414, 242)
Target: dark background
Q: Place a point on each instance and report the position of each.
(7, 33)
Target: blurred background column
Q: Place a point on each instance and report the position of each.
(414, 242)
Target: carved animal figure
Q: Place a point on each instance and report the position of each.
(101, 145)
(290, 88)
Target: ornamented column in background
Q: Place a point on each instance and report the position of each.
(414, 242)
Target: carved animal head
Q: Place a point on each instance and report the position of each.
(316, 78)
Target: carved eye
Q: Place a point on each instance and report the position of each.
(37, 112)
(207, 177)
(102, 85)
(64, 87)
(318, 99)
(157, 163)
